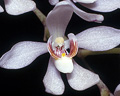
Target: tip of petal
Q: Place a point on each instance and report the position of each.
(17, 7)
(53, 92)
(53, 2)
(1, 9)
(63, 3)
(81, 79)
(85, 1)
(99, 19)
(117, 91)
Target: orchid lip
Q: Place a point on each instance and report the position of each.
(64, 64)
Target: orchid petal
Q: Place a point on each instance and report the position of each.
(90, 17)
(17, 7)
(104, 5)
(73, 45)
(53, 2)
(22, 54)
(81, 79)
(117, 91)
(1, 9)
(85, 1)
(111, 94)
(52, 80)
(71, 36)
(58, 19)
(99, 38)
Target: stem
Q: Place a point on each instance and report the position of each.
(40, 15)
(46, 34)
(104, 91)
(84, 53)
(42, 18)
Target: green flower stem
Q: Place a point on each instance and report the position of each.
(42, 18)
(104, 91)
(46, 34)
(84, 53)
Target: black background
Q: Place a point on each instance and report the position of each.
(28, 80)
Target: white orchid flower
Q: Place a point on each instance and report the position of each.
(96, 5)
(17, 7)
(1, 9)
(90, 17)
(95, 39)
(117, 91)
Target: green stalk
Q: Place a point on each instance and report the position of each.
(40, 15)
(84, 53)
(42, 18)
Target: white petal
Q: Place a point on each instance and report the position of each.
(17, 7)
(64, 64)
(85, 1)
(22, 54)
(58, 19)
(52, 80)
(111, 94)
(117, 91)
(71, 36)
(104, 5)
(99, 38)
(1, 9)
(53, 2)
(81, 79)
(90, 17)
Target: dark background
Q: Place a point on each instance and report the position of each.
(28, 80)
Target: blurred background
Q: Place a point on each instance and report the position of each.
(28, 80)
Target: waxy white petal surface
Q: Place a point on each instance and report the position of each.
(17, 7)
(90, 17)
(99, 38)
(85, 1)
(81, 79)
(52, 80)
(117, 91)
(58, 19)
(104, 5)
(53, 2)
(22, 54)
(1, 9)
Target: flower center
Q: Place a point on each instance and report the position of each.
(59, 41)
(63, 54)
(57, 49)
(63, 59)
